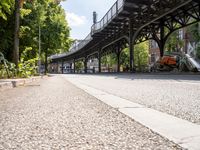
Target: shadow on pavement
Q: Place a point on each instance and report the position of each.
(148, 76)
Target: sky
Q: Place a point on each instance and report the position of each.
(79, 15)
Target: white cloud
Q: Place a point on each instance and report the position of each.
(75, 20)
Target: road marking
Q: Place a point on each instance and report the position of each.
(180, 131)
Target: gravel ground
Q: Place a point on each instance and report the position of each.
(178, 95)
(54, 114)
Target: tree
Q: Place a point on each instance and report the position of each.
(6, 38)
(55, 32)
(45, 14)
(141, 55)
(194, 30)
(32, 17)
(16, 33)
(49, 17)
(6, 8)
(18, 5)
(6, 27)
(124, 58)
(174, 42)
(79, 65)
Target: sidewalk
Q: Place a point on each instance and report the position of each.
(55, 114)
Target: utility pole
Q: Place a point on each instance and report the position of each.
(39, 52)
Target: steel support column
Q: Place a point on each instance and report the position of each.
(99, 58)
(70, 69)
(57, 67)
(131, 47)
(85, 64)
(118, 58)
(74, 66)
(162, 38)
(62, 67)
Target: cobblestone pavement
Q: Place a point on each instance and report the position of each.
(54, 114)
(178, 95)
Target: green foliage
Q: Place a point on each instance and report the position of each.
(198, 51)
(3, 66)
(141, 55)
(24, 12)
(195, 31)
(3, 72)
(12, 70)
(7, 69)
(27, 67)
(79, 65)
(6, 28)
(125, 57)
(49, 15)
(55, 23)
(109, 60)
(6, 8)
(50, 18)
(174, 43)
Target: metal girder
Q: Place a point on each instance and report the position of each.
(176, 20)
(141, 2)
(146, 24)
(160, 15)
(197, 1)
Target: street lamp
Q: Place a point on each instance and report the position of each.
(39, 52)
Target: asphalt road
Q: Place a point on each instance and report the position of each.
(54, 114)
(177, 95)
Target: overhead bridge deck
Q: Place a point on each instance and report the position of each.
(130, 22)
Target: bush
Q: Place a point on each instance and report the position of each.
(4, 73)
(8, 70)
(27, 68)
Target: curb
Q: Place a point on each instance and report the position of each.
(13, 83)
(5, 86)
(179, 131)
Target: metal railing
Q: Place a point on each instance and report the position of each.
(99, 26)
(82, 43)
(112, 13)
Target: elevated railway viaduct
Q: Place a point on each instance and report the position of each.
(129, 22)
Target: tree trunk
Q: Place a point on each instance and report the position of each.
(46, 62)
(16, 33)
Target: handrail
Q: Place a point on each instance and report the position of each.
(97, 27)
(82, 43)
(113, 11)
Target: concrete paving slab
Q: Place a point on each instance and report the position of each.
(5, 85)
(180, 131)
